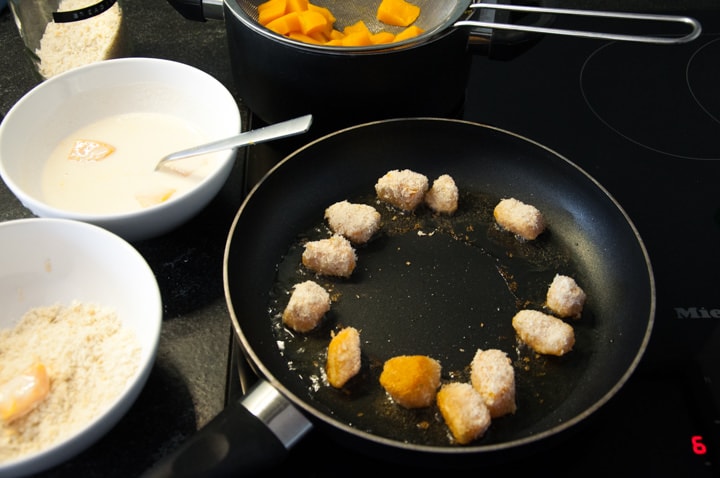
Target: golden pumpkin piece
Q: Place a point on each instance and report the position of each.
(343, 357)
(21, 394)
(411, 380)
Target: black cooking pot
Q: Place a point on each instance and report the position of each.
(279, 78)
(427, 284)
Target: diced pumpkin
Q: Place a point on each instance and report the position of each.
(336, 35)
(357, 27)
(313, 22)
(409, 32)
(320, 37)
(382, 37)
(290, 22)
(305, 38)
(324, 11)
(309, 23)
(357, 38)
(297, 5)
(271, 10)
(397, 12)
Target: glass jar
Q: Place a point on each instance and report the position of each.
(64, 34)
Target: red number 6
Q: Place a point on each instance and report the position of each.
(698, 446)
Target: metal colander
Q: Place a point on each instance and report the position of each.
(437, 16)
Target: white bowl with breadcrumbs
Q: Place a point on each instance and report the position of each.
(79, 331)
(84, 145)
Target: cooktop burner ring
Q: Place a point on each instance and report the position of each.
(674, 117)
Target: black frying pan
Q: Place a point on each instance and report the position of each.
(426, 285)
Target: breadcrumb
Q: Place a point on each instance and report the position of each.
(493, 376)
(334, 256)
(411, 380)
(464, 411)
(343, 357)
(519, 218)
(357, 222)
(544, 333)
(565, 298)
(443, 195)
(403, 189)
(308, 304)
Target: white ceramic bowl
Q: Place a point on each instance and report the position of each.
(57, 108)
(47, 261)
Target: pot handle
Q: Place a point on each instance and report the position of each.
(504, 44)
(251, 434)
(199, 10)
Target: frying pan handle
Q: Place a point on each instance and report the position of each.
(250, 435)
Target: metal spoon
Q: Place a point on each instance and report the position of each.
(260, 135)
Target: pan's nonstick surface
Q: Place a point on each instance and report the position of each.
(440, 286)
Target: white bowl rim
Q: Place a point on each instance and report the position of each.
(52, 211)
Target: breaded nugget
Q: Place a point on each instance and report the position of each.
(442, 197)
(334, 256)
(403, 189)
(565, 298)
(343, 357)
(308, 303)
(357, 222)
(493, 376)
(519, 218)
(544, 333)
(464, 411)
(411, 380)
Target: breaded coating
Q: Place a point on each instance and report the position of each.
(334, 256)
(464, 411)
(565, 298)
(308, 303)
(544, 333)
(411, 380)
(343, 357)
(357, 222)
(443, 195)
(519, 218)
(403, 189)
(493, 377)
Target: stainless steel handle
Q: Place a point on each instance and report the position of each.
(696, 29)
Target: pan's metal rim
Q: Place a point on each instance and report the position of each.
(450, 450)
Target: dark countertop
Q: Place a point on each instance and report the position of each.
(187, 385)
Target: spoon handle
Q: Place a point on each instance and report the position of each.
(266, 133)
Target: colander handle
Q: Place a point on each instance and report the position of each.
(695, 31)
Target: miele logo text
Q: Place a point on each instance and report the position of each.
(697, 313)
